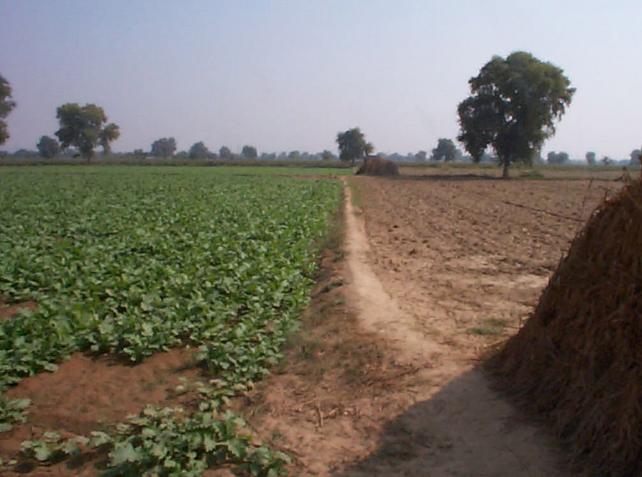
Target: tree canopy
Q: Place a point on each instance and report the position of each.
(6, 106)
(82, 128)
(163, 147)
(445, 150)
(225, 153)
(590, 158)
(327, 155)
(557, 157)
(513, 106)
(249, 152)
(421, 156)
(353, 145)
(199, 151)
(48, 147)
(635, 156)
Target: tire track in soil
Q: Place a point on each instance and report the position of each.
(458, 426)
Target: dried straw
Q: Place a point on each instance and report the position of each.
(578, 359)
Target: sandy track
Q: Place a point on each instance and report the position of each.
(458, 425)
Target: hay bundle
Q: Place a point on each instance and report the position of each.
(578, 359)
(378, 166)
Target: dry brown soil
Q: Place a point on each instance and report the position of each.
(437, 270)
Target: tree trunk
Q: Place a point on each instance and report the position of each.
(506, 163)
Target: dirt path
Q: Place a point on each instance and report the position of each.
(458, 426)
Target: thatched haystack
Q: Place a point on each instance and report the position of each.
(378, 166)
(578, 359)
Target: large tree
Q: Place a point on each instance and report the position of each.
(199, 151)
(353, 145)
(513, 106)
(445, 150)
(163, 147)
(48, 147)
(249, 152)
(82, 127)
(6, 106)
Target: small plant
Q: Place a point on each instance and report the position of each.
(12, 411)
(169, 442)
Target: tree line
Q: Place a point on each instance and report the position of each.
(513, 108)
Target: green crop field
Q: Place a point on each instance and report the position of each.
(136, 260)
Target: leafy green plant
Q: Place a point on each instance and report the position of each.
(12, 411)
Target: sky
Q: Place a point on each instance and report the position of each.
(288, 75)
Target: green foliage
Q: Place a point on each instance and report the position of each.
(513, 107)
(48, 147)
(109, 133)
(169, 442)
(163, 147)
(139, 263)
(445, 150)
(327, 156)
(557, 157)
(6, 106)
(352, 145)
(12, 411)
(82, 128)
(225, 153)
(249, 152)
(134, 261)
(199, 151)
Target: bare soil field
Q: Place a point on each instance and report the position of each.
(437, 270)
(467, 258)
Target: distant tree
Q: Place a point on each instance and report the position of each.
(590, 158)
(445, 150)
(267, 156)
(140, 153)
(110, 133)
(635, 156)
(606, 161)
(199, 151)
(294, 156)
(6, 106)
(421, 156)
(163, 147)
(225, 153)
(327, 156)
(249, 152)
(82, 127)
(353, 145)
(48, 147)
(513, 107)
(557, 157)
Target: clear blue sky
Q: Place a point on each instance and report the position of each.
(285, 75)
